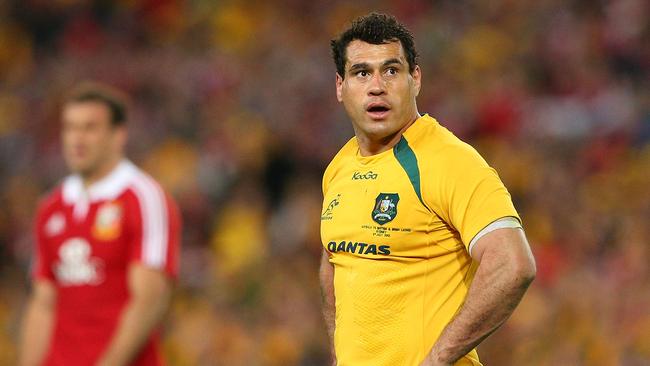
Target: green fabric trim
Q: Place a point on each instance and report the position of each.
(409, 162)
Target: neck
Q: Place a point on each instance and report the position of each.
(91, 177)
(369, 146)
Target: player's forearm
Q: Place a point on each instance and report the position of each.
(37, 325)
(497, 288)
(138, 320)
(328, 299)
(329, 311)
(35, 333)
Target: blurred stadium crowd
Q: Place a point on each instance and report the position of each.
(235, 113)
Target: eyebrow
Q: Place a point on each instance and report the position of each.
(392, 61)
(365, 65)
(359, 66)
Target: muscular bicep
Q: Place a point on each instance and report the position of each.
(326, 269)
(326, 275)
(506, 246)
(325, 260)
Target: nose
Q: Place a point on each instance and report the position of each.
(377, 85)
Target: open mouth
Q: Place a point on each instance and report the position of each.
(377, 110)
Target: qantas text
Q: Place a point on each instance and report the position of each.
(358, 248)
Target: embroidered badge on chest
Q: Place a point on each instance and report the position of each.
(385, 208)
(108, 221)
(76, 265)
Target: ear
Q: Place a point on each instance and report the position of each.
(417, 79)
(339, 87)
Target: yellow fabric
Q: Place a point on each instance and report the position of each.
(402, 272)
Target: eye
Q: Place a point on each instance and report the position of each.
(362, 73)
(391, 71)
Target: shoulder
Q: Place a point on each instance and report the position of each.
(53, 197)
(51, 200)
(142, 182)
(148, 203)
(142, 189)
(49, 206)
(344, 155)
(447, 164)
(437, 147)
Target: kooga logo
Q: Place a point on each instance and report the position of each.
(368, 175)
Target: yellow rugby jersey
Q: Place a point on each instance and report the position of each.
(396, 226)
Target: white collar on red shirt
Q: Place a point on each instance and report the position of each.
(107, 188)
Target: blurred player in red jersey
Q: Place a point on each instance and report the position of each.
(107, 243)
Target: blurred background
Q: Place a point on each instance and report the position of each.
(235, 114)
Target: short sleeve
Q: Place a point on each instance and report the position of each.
(155, 228)
(472, 195)
(41, 267)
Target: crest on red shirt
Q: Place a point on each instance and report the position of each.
(108, 221)
(76, 266)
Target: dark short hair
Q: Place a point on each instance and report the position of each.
(374, 28)
(90, 91)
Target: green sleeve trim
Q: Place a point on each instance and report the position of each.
(409, 162)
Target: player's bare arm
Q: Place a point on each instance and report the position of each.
(150, 291)
(506, 269)
(328, 301)
(37, 324)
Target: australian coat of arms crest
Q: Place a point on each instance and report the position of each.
(385, 208)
